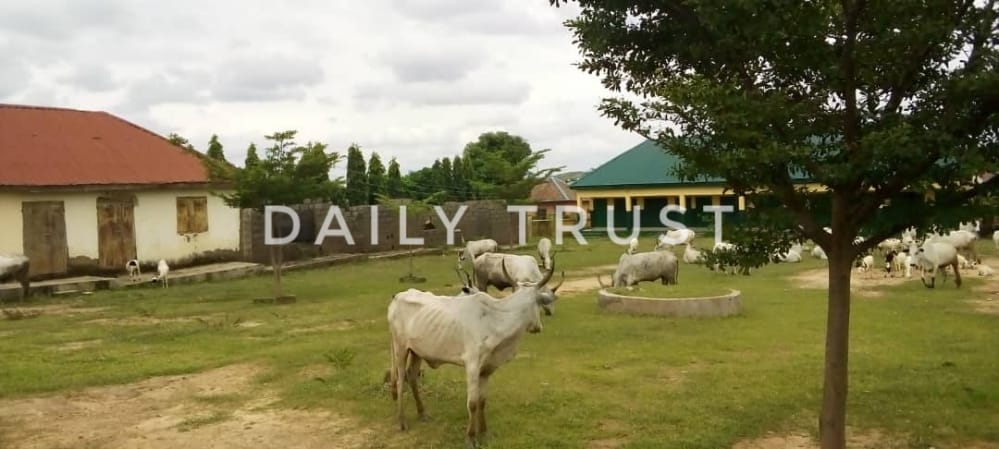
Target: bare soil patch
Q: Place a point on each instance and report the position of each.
(863, 284)
(334, 326)
(62, 309)
(164, 412)
(855, 439)
(77, 345)
(144, 320)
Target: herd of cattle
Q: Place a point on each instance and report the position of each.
(479, 332)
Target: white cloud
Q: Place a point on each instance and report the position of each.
(415, 80)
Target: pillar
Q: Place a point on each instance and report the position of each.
(742, 202)
(716, 200)
(627, 203)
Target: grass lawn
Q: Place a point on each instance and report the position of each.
(924, 363)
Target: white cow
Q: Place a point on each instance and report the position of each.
(474, 248)
(995, 238)
(647, 266)
(506, 271)
(675, 237)
(866, 264)
(690, 254)
(16, 267)
(960, 240)
(819, 253)
(545, 252)
(933, 256)
(477, 332)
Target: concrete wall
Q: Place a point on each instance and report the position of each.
(482, 219)
(155, 226)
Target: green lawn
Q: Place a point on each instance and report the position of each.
(924, 364)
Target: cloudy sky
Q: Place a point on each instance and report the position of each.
(413, 79)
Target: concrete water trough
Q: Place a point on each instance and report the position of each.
(700, 307)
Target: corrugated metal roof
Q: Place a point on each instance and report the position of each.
(646, 164)
(552, 190)
(41, 146)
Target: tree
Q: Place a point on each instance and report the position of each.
(448, 179)
(215, 149)
(289, 174)
(180, 141)
(460, 183)
(357, 179)
(377, 183)
(891, 106)
(394, 184)
(504, 166)
(251, 156)
(438, 180)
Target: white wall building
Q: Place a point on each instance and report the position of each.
(85, 191)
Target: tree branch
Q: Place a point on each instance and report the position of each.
(785, 188)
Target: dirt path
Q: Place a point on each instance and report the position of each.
(219, 408)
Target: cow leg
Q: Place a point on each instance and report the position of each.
(957, 275)
(400, 385)
(481, 422)
(472, 376)
(413, 378)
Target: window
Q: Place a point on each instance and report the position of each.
(192, 214)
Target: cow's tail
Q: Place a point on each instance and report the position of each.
(676, 273)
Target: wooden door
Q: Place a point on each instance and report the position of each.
(44, 231)
(115, 232)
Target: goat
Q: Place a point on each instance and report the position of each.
(985, 270)
(16, 267)
(162, 272)
(865, 264)
(132, 268)
(477, 332)
(894, 263)
(632, 246)
(933, 256)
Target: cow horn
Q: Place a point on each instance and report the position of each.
(457, 271)
(560, 281)
(506, 274)
(601, 282)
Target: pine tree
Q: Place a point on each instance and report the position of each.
(377, 183)
(215, 149)
(395, 187)
(459, 180)
(357, 178)
(447, 178)
(251, 156)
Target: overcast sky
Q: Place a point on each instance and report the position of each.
(413, 79)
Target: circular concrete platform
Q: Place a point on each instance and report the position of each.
(704, 307)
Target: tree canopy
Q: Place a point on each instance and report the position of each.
(215, 150)
(395, 188)
(888, 106)
(377, 182)
(288, 174)
(504, 166)
(357, 177)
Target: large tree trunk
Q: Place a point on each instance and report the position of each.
(832, 422)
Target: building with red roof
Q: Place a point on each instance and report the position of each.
(86, 191)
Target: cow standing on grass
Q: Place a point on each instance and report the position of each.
(16, 267)
(477, 332)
